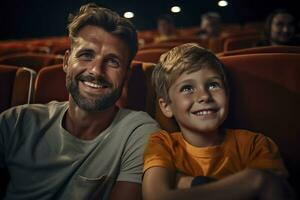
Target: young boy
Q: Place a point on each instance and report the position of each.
(191, 87)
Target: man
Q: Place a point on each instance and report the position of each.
(210, 25)
(166, 28)
(86, 148)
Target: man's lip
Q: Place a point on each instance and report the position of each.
(94, 85)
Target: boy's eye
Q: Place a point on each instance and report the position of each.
(214, 85)
(187, 89)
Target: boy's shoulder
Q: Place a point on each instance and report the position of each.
(165, 137)
(243, 137)
(242, 133)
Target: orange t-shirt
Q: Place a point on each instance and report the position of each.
(240, 149)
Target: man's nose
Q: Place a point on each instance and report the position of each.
(96, 68)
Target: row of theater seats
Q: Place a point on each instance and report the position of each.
(50, 45)
(264, 93)
(233, 37)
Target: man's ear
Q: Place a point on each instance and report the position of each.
(165, 108)
(65, 61)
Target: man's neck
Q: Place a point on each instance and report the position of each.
(88, 125)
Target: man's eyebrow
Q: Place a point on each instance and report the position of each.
(115, 56)
(84, 49)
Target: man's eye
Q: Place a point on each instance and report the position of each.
(214, 85)
(187, 89)
(86, 56)
(113, 62)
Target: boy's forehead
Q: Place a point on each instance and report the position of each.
(209, 72)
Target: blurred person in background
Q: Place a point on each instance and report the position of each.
(280, 29)
(166, 28)
(210, 25)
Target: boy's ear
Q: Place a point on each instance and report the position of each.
(165, 108)
(65, 61)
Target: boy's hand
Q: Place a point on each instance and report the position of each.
(183, 181)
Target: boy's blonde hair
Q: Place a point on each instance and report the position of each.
(186, 58)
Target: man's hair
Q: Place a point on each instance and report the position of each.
(92, 14)
(186, 58)
(212, 16)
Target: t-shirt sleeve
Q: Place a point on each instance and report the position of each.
(131, 169)
(2, 129)
(264, 154)
(8, 121)
(158, 152)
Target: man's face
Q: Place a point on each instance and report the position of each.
(96, 68)
(282, 29)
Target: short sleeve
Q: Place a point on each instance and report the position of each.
(158, 152)
(6, 123)
(2, 127)
(131, 169)
(265, 154)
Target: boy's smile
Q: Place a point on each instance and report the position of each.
(198, 101)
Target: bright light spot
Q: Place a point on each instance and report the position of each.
(175, 9)
(128, 15)
(222, 3)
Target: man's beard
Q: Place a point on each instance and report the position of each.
(103, 102)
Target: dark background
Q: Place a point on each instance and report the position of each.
(42, 18)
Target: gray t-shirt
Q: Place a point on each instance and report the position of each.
(46, 162)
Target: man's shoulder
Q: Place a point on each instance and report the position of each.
(133, 116)
(33, 109)
(134, 123)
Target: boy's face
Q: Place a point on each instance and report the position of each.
(198, 101)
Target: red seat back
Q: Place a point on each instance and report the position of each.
(34, 61)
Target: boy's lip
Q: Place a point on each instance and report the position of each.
(205, 111)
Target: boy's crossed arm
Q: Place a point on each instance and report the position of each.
(159, 183)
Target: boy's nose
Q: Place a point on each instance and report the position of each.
(203, 96)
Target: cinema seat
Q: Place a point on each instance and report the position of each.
(16, 86)
(183, 40)
(149, 55)
(50, 85)
(34, 61)
(164, 45)
(240, 42)
(264, 49)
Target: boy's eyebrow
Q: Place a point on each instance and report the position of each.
(189, 81)
(186, 81)
(215, 77)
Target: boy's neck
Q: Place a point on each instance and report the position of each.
(204, 139)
